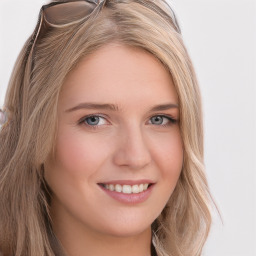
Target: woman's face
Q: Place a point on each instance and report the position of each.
(119, 151)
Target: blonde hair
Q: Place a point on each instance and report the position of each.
(28, 138)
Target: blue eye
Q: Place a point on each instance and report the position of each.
(158, 120)
(161, 120)
(93, 121)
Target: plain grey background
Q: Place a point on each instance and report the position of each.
(221, 38)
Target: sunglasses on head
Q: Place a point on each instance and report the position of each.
(59, 14)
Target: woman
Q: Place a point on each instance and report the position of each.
(102, 148)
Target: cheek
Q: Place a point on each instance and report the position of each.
(168, 155)
(71, 174)
(79, 153)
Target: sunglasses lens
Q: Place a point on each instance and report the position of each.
(65, 13)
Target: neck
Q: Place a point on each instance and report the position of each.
(97, 245)
(79, 237)
(80, 240)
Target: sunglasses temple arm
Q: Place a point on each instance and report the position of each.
(31, 47)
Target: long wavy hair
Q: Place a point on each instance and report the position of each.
(28, 137)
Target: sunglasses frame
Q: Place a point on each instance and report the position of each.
(41, 20)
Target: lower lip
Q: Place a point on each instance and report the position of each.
(129, 198)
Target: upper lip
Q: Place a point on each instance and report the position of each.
(128, 182)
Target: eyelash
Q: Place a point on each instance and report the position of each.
(82, 121)
(171, 121)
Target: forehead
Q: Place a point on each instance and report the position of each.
(119, 74)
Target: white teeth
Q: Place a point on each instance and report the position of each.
(145, 186)
(118, 188)
(111, 187)
(127, 189)
(135, 189)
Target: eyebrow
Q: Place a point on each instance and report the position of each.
(164, 107)
(94, 106)
(113, 107)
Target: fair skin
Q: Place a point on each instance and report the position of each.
(117, 126)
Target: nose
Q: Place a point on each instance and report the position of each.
(132, 150)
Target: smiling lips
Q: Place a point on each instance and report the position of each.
(127, 189)
(128, 192)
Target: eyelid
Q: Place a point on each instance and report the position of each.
(82, 120)
(169, 117)
(171, 120)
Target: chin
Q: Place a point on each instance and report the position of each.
(128, 227)
(129, 232)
